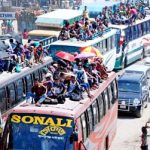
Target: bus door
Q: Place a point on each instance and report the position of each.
(3, 99)
(11, 94)
(19, 89)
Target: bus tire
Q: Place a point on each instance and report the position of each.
(139, 112)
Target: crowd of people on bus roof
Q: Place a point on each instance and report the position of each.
(87, 29)
(83, 29)
(17, 56)
(64, 79)
(124, 13)
(7, 26)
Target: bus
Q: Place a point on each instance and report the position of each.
(50, 24)
(131, 47)
(44, 36)
(75, 125)
(106, 43)
(13, 87)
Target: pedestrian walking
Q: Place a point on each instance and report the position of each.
(144, 144)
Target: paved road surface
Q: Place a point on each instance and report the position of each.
(129, 131)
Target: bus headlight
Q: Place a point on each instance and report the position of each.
(136, 102)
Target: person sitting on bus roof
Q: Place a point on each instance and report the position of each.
(40, 52)
(101, 68)
(74, 91)
(58, 90)
(38, 93)
(72, 32)
(133, 13)
(82, 78)
(64, 34)
(48, 82)
(25, 34)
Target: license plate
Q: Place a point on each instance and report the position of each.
(123, 106)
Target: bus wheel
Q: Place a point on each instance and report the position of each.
(139, 112)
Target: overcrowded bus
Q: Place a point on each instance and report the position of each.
(131, 46)
(105, 41)
(75, 125)
(14, 86)
(44, 36)
(49, 25)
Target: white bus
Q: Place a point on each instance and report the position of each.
(131, 45)
(107, 45)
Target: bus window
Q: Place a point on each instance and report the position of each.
(36, 75)
(104, 45)
(28, 80)
(11, 93)
(109, 43)
(106, 102)
(84, 126)
(147, 27)
(114, 90)
(139, 30)
(110, 95)
(101, 45)
(95, 112)
(112, 41)
(19, 89)
(3, 100)
(135, 31)
(90, 119)
(130, 33)
(101, 106)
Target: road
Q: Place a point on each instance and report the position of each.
(129, 131)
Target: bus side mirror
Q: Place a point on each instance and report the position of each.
(74, 137)
(1, 132)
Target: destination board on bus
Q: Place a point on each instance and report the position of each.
(7, 15)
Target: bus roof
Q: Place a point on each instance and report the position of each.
(76, 43)
(56, 18)
(7, 78)
(137, 68)
(44, 33)
(122, 27)
(131, 77)
(69, 108)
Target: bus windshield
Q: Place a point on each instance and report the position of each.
(43, 132)
(129, 87)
